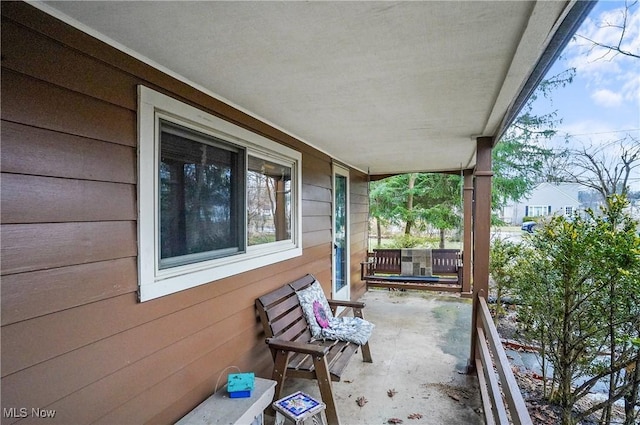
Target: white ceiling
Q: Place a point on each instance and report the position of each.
(388, 87)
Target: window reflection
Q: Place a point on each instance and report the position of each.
(200, 197)
(268, 201)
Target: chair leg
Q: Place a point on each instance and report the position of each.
(279, 371)
(326, 392)
(366, 353)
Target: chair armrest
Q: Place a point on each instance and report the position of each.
(356, 306)
(367, 268)
(341, 303)
(298, 347)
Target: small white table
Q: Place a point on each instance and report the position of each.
(300, 408)
(220, 409)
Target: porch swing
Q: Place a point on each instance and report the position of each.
(412, 268)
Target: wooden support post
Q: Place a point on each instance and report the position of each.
(467, 229)
(481, 233)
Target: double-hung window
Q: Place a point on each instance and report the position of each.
(214, 199)
(538, 210)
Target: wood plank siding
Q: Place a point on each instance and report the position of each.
(74, 337)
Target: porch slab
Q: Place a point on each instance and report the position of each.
(420, 348)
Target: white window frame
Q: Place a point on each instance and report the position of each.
(545, 210)
(154, 282)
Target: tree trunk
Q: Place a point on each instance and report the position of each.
(543, 355)
(632, 398)
(565, 360)
(441, 238)
(379, 230)
(613, 378)
(407, 228)
(409, 224)
(566, 401)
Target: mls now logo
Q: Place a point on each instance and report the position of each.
(15, 412)
(23, 412)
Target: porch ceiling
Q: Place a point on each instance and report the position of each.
(389, 87)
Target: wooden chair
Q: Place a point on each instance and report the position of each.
(289, 339)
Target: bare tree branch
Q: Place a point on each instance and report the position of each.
(618, 47)
(607, 169)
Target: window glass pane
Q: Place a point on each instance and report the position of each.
(201, 197)
(538, 210)
(268, 201)
(340, 232)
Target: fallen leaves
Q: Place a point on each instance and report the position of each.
(361, 401)
(391, 392)
(453, 392)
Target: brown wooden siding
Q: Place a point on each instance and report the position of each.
(74, 338)
(67, 200)
(30, 150)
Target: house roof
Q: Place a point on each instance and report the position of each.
(553, 193)
(385, 87)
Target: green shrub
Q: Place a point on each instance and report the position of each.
(409, 241)
(579, 283)
(536, 219)
(503, 266)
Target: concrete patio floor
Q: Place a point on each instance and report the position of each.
(420, 348)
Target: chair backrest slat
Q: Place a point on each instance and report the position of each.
(387, 261)
(281, 314)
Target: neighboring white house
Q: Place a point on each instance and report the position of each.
(546, 199)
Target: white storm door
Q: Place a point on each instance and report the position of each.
(341, 284)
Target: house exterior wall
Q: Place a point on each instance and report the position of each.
(553, 197)
(74, 337)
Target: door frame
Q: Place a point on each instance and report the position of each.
(344, 293)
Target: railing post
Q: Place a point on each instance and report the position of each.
(493, 357)
(481, 233)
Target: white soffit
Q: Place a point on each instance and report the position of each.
(383, 86)
(543, 20)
